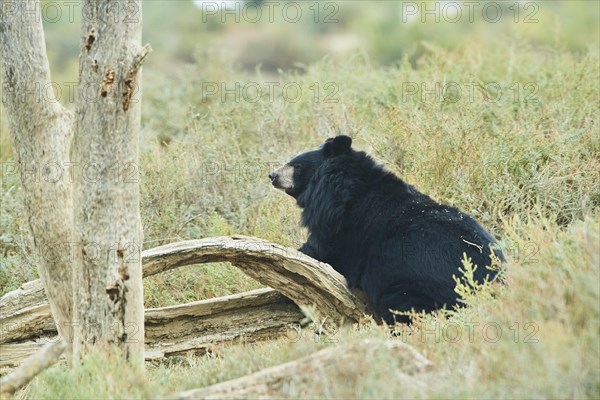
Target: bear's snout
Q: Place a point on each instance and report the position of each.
(283, 178)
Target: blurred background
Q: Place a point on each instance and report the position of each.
(200, 41)
(273, 35)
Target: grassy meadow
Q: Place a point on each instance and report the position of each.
(507, 132)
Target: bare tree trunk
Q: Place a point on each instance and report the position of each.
(81, 197)
(107, 286)
(41, 132)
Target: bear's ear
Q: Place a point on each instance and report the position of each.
(337, 146)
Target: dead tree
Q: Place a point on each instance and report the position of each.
(79, 171)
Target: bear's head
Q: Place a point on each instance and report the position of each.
(294, 177)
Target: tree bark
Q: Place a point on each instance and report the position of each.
(41, 131)
(81, 195)
(107, 284)
(275, 382)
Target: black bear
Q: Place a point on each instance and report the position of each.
(389, 240)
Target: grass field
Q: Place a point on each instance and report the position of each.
(507, 133)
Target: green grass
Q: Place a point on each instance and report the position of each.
(527, 170)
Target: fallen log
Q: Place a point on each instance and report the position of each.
(195, 327)
(276, 382)
(35, 364)
(251, 316)
(24, 313)
(299, 277)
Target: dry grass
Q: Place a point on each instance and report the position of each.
(526, 170)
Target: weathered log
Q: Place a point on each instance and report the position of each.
(174, 323)
(25, 314)
(13, 354)
(195, 327)
(251, 316)
(30, 294)
(29, 322)
(303, 279)
(274, 382)
(47, 356)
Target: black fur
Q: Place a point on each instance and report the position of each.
(391, 241)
